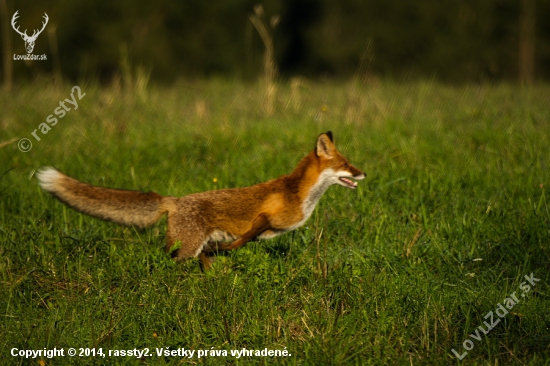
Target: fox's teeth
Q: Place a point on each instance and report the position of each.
(348, 181)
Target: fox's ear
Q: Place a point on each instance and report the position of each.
(329, 134)
(325, 148)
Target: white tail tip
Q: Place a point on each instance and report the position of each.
(48, 178)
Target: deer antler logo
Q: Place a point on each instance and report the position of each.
(29, 41)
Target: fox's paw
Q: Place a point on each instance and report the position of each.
(206, 260)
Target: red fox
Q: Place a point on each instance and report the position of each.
(225, 219)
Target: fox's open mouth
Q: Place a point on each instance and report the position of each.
(348, 182)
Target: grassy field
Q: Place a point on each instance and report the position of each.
(453, 214)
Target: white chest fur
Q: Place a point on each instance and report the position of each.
(326, 179)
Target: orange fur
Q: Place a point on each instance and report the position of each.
(222, 219)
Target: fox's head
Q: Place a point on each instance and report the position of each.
(335, 168)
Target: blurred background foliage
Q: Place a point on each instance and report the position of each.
(451, 40)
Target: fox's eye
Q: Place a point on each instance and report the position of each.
(346, 165)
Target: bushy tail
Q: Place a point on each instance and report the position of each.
(117, 205)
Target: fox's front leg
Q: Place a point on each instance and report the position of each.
(206, 261)
(260, 224)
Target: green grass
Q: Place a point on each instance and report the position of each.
(451, 217)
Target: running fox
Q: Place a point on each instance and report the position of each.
(224, 219)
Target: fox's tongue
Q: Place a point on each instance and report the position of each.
(348, 181)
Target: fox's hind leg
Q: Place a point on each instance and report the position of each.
(184, 231)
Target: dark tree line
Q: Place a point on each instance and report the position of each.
(452, 40)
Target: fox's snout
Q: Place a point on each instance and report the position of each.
(348, 176)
